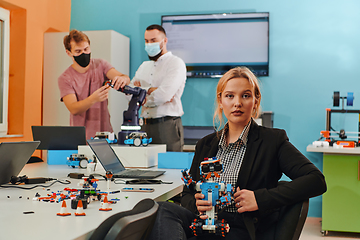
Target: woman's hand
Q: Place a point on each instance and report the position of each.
(202, 205)
(245, 200)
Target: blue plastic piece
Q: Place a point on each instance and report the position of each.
(111, 141)
(59, 157)
(74, 163)
(212, 187)
(144, 141)
(350, 99)
(175, 160)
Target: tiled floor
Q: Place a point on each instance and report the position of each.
(312, 231)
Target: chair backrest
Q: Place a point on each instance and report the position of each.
(135, 224)
(291, 220)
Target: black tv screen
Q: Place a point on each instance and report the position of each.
(211, 44)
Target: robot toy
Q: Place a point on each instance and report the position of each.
(219, 194)
(130, 133)
(77, 160)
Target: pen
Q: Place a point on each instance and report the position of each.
(147, 189)
(114, 192)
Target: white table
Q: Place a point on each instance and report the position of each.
(332, 150)
(45, 224)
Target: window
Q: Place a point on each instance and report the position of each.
(4, 68)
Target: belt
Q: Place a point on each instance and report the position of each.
(158, 120)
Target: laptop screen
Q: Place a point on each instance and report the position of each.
(59, 137)
(13, 157)
(106, 155)
(192, 134)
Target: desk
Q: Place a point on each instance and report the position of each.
(45, 224)
(341, 167)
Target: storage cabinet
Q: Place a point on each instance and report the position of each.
(341, 202)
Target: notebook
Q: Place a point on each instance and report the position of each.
(59, 137)
(109, 160)
(13, 157)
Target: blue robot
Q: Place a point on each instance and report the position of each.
(77, 160)
(219, 194)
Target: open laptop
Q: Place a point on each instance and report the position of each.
(192, 134)
(13, 157)
(109, 160)
(59, 137)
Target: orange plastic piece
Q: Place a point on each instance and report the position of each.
(63, 212)
(326, 134)
(346, 144)
(108, 175)
(105, 205)
(80, 209)
(208, 176)
(207, 161)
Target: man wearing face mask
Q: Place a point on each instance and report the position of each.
(164, 78)
(81, 85)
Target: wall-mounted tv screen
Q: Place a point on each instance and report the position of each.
(211, 44)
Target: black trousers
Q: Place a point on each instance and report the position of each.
(173, 223)
(169, 132)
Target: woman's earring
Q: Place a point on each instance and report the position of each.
(220, 107)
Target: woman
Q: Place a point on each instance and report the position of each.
(254, 159)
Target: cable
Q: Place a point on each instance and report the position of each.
(97, 174)
(29, 188)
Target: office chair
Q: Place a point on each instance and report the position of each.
(291, 220)
(135, 224)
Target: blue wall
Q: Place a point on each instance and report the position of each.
(314, 50)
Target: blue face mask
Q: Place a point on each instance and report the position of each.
(153, 49)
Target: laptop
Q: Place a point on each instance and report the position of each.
(13, 157)
(192, 134)
(110, 161)
(59, 137)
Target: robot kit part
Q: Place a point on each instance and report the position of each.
(74, 203)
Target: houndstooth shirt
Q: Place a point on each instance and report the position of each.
(231, 157)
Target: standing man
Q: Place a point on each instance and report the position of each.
(81, 85)
(164, 79)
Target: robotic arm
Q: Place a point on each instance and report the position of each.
(131, 115)
(130, 129)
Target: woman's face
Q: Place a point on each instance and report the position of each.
(238, 101)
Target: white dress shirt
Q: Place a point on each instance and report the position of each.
(168, 74)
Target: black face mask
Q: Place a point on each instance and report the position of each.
(83, 59)
(156, 57)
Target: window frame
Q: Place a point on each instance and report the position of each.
(5, 17)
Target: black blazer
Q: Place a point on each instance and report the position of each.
(268, 154)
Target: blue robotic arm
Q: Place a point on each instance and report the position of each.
(130, 129)
(131, 115)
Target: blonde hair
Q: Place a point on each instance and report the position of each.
(238, 72)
